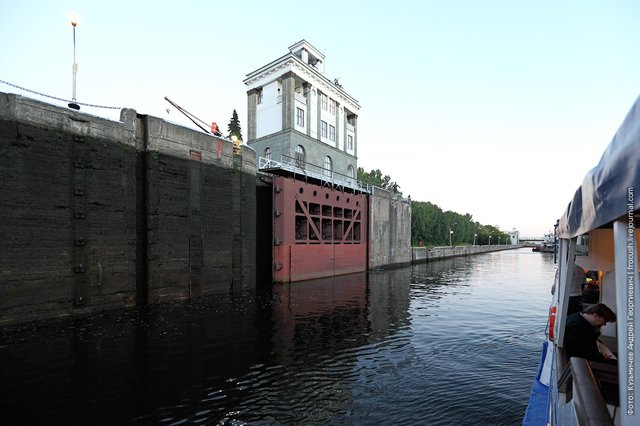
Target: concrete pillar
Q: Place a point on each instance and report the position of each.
(318, 115)
(306, 89)
(288, 101)
(337, 123)
(344, 131)
(252, 113)
(355, 135)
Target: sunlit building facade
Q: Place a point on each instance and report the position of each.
(296, 112)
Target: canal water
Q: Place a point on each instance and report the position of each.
(452, 342)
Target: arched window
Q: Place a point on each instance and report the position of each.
(328, 166)
(300, 155)
(267, 153)
(350, 172)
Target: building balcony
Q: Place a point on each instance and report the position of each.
(290, 166)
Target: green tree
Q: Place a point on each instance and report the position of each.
(234, 126)
(432, 226)
(375, 178)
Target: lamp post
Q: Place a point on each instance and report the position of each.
(474, 239)
(498, 240)
(73, 104)
(489, 239)
(450, 234)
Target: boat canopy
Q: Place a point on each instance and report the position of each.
(603, 195)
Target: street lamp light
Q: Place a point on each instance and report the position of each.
(73, 104)
(498, 240)
(474, 239)
(489, 239)
(450, 234)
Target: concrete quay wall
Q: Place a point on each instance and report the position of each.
(389, 229)
(423, 254)
(97, 214)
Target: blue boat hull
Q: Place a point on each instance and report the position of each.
(537, 413)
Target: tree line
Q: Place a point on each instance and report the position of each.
(433, 227)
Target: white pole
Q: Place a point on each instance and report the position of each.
(73, 104)
(75, 64)
(565, 266)
(627, 306)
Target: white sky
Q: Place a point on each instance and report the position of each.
(495, 108)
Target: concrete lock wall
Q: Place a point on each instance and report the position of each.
(96, 214)
(423, 254)
(201, 212)
(389, 229)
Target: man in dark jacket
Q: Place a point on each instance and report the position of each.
(582, 331)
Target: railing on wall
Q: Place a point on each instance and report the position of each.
(327, 177)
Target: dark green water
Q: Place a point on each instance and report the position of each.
(454, 342)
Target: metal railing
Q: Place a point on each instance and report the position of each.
(328, 177)
(589, 404)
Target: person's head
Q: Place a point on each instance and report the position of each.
(599, 314)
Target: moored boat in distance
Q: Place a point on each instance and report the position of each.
(597, 233)
(548, 245)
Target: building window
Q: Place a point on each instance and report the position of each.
(323, 129)
(267, 153)
(332, 106)
(332, 133)
(328, 166)
(300, 155)
(323, 101)
(299, 116)
(350, 171)
(350, 142)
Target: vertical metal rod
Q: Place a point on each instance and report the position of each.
(73, 104)
(75, 65)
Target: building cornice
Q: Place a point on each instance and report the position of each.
(293, 63)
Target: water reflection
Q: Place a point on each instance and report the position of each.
(347, 350)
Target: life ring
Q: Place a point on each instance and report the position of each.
(552, 321)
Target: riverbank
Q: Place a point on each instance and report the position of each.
(424, 254)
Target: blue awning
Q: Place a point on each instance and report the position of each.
(602, 197)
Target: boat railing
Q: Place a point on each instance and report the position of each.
(590, 406)
(564, 369)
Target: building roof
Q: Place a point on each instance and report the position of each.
(291, 62)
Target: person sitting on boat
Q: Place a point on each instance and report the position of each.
(582, 331)
(575, 290)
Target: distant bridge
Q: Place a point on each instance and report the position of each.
(532, 239)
